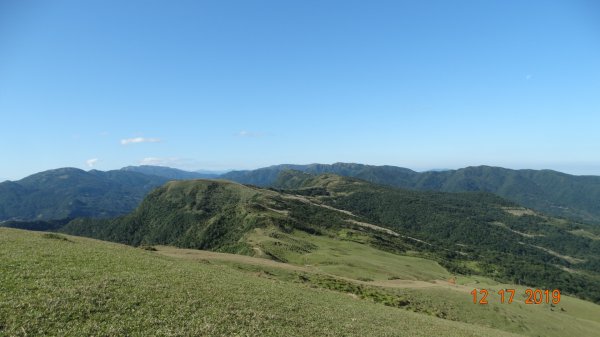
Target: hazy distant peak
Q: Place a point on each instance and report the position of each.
(169, 172)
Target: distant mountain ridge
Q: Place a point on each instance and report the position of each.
(70, 192)
(552, 192)
(170, 173)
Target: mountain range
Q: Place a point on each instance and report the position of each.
(552, 192)
(70, 192)
(48, 195)
(468, 233)
(420, 249)
(171, 173)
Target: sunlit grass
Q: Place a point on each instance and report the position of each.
(84, 287)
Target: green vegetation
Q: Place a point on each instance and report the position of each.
(459, 228)
(316, 255)
(54, 236)
(69, 193)
(342, 257)
(37, 225)
(86, 287)
(446, 298)
(551, 192)
(199, 214)
(466, 233)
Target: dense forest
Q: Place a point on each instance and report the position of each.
(70, 192)
(551, 192)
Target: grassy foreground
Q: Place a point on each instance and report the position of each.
(406, 282)
(70, 286)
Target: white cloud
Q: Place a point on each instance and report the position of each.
(139, 140)
(91, 162)
(245, 133)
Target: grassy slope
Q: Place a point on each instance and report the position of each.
(421, 291)
(465, 222)
(352, 259)
(79, 286)
(424, 284)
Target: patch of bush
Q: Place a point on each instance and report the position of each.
(55, 236)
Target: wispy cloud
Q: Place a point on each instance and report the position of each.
(139, 140)
(248, 134)
(91, 162)
(528, 77)
(160, 161)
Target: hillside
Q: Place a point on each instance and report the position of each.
(69, 192)
(56, 285)
(47, 196)
(62, 285)
(467, 233)
(206, 214)
(548, 191)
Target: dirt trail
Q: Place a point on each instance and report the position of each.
(308, 201)
(567, 258)
(500, 224)
(386, 230)
(375, 227)
(363, 224)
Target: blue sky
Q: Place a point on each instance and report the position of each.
(245, 84)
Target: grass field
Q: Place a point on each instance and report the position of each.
(422, 284)
(69, 286)
(347, 258)
(62, 285)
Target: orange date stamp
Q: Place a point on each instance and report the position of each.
(533, 296)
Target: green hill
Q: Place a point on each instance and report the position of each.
(551, 192)
(467, 233)
(62, 193)
(69, 192)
